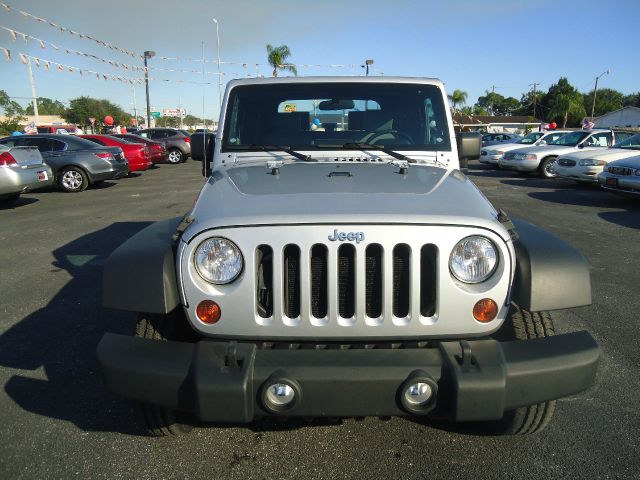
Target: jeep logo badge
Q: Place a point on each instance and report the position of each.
(348, 236)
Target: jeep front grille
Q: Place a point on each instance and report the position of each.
(339, 268)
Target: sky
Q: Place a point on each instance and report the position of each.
(470, 45)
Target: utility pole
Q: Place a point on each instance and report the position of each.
(534, 84)
(147, 54)
(33, 94)
(493, 91)
(595, 90)
(204, 117)
(219, 74)
(135, 108)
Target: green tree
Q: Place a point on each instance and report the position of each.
(13, 112)
(631, 100)
(527, 102)
(607, 100)
(564, 104)
(458, 97)
(277, 58)
(191, 121)
(46, 106)
(82, 108)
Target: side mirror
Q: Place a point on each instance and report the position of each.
(469, 145)
(209, 149)
(581, 145)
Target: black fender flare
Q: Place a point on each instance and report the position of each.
(550, 274)
(140, 275)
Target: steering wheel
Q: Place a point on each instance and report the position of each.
(375, 135)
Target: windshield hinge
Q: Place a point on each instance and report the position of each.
(402, 164)
(275, 165)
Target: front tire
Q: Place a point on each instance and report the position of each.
(162, 421)
(524, 325)
(73, 180)
(175, 156)
(547, 169)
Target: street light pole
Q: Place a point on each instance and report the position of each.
(147, 54)
(366, 65)
(218, 49)
(595, 90)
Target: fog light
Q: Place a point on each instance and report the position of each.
(280, 394)
(418, 394)
(208, 311)
(485, 310)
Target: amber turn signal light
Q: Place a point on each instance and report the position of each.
(208, 311)
(485, 310)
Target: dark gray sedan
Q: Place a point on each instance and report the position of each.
(76, 163)
(178, 142)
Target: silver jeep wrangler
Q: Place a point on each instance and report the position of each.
(338, 263)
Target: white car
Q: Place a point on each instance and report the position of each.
(543, 157)
(622, 177)
(493, 155)
(585, 166)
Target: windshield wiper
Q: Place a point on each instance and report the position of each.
(286, 149)
(382, 148)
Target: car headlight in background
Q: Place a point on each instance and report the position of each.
(473, 259)
(218, 260)
(590, 162)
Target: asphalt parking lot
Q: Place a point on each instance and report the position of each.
(57, 421)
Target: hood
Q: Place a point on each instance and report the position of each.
(345, 193)
(505, 147)
(544, 150)
(631, 162)
(608, 155)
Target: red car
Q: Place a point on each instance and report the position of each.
(136, 153)
(157, 150)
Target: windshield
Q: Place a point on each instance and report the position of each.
(336, 115)
(631, 143)
(570, 139)
(531, 138)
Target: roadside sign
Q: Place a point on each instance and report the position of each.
(92, 120)
(155, 114)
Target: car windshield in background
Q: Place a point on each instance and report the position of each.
(316, 116)
(531, 138)
(570, 139)
(631, 143)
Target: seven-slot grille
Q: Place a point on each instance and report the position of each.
(338, 268)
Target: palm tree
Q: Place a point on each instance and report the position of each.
(458, 97)
(277, 58)
(564, 105)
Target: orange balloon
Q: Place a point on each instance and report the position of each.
(108, 120)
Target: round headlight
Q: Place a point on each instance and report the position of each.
(218, 260)
(473, 259)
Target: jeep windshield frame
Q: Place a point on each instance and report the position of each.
(302, 116)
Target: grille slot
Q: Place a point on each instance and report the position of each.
(428, 269)
(373, 281)
(346, 281)
(291, 274)
(401, 280)
(319, 284)
(264, 281)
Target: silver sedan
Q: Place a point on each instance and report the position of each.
(622, 176)
(21, 170)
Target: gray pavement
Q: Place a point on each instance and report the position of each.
(57, 421)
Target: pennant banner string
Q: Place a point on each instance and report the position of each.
(110, 46)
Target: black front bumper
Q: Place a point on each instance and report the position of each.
(223, 381)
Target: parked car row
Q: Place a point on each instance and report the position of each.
(74, 162)
(610, 158)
